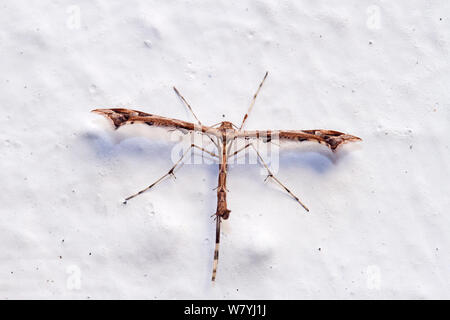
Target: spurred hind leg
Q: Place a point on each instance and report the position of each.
(269, 173)
(171, 171)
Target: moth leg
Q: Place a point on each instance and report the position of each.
(187, 104)
(253, 101)
(216, 248)
(239, 150)
(214, 142)
(231, 143)
(171, 171)
(245, 147)
(204, 150)
(271, 175)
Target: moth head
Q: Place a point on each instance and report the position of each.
(226, 125)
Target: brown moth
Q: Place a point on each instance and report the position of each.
(223, 135)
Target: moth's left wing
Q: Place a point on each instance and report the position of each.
(120, 117)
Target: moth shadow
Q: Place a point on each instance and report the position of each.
(106, 146)
(315, 157)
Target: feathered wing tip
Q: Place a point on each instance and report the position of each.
(120, 116)
(330, 138)
(334, 139)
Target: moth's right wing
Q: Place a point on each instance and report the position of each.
(330, 138)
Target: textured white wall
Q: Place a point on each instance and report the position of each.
(378, 226)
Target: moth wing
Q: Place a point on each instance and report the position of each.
(331, 138)
(120, 117)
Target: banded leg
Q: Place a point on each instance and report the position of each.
(270, 174)
(170, 172)
(239, 150)
(187, 104)
(216, 248)
(212, 140)
(204, 150)
(192, 111)
(253, 101)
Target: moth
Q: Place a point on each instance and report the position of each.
(223, 135)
